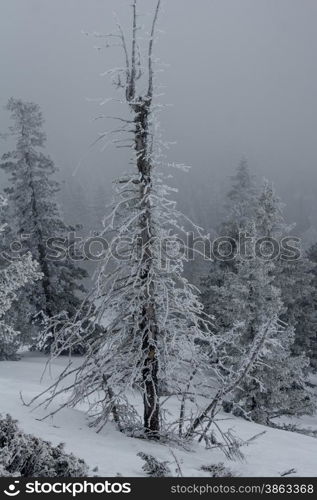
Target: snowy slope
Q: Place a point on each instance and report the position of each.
(113, 453)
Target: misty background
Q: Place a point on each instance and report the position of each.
(240, 80)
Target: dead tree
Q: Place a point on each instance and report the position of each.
(141, 108)
(149, 315)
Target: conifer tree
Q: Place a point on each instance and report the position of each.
(13, 277)
(240, 201)
(37, 219)
(239, 205)
(293, 272)
(248, 293)
(309, 307)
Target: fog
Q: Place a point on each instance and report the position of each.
(241, 78)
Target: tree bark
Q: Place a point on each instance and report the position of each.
(148, 324)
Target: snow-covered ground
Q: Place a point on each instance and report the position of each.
(113, 453)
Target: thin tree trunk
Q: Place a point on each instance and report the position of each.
(141, 109)
(148, 325)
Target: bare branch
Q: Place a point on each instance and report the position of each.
(242, 371)
(125, 50)
(131, 89)
(150, 53)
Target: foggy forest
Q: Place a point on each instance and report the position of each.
(158, 251)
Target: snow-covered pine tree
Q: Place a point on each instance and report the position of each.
(286, 381)
(31, 195)
(247, 295)
(240, 201)
(150, 316)
(13, 277)
(309, 306)
(239, 205)
(293, 273)
(246, 346)
(295, 278)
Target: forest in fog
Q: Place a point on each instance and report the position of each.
(158, 251)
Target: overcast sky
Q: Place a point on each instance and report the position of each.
(242, 80)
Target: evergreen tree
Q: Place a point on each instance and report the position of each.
(248, 293)
(293, 274)
(37, 219)
(309, 305)
(13, 277)
(240, 201)
(296, 281)
(240, 204)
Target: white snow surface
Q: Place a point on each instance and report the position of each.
(114, 453)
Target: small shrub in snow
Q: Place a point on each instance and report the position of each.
(153, 467)
(5, 473)
(288, 472)
(217, 470)
(26, 455)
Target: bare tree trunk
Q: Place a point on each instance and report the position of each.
(141, 108)
(148, 325)
(183, 403)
